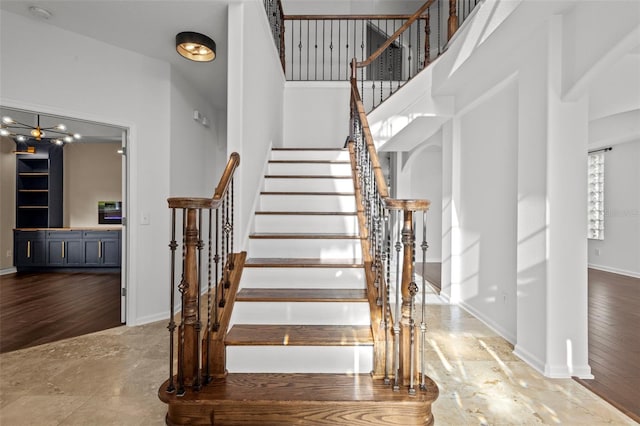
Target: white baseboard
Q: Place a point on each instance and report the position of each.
(488, 322)
(8, 271)
(533, 361)
(614, 270)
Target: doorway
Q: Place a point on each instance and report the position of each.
(95, 174)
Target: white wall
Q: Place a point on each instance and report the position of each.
(7, 201)
(255, 105)
(620, 250)
(316, 114)
(195, 148)
(98, 82)
(92, 173)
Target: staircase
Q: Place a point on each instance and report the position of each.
(300, 347)
(291, 314)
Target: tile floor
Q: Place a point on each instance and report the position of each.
(112, 378)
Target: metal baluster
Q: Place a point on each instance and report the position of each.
(308, 45)
(198, 324)
(413, 290)
(423, 325)
(231, 224)
(387, 252)
(418, 54)
(300, 49)
(396, 325)
(409, 57)
(339, 47)
(216, 259)
(208, 341)
(182, 287)
(223, 253)
(173, 245)
(324, 62)
(364, 24)
(315, 74)
(427, 40)
(331, 52)
(439, 30)
(227, 232)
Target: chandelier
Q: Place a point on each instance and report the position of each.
(21, 132)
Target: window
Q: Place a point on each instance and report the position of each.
(596, 195)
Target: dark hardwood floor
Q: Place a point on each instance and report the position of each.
(614, 340)
(37, 308)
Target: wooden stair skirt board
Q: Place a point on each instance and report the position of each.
(300, 399)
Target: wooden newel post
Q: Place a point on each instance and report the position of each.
(453, 19)
(405, 319)
(188, 349)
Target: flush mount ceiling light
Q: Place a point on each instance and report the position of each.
(40, 12)
(22, 132)
(195, 46)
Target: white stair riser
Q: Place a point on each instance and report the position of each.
(303, 278)
(335, 224)
(323, 169)
(305, 248)
(300, 359)
(308, 185)
(305, 313)
(342, 155)
(307, 203)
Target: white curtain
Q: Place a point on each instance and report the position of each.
(596, 196)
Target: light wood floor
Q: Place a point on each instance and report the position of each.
(37, 308)
(614, 340)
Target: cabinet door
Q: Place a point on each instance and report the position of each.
(92, 252)
(74, 253)
(55, 252)
(111, 252)
(29, 248)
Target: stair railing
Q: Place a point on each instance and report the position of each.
(387, 222)
(200, 350)
(320, 47)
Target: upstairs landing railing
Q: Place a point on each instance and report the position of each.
(321, 47)
(202, 223)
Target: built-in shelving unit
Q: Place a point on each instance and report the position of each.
(39, 187)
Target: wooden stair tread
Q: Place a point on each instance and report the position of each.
(290, 387)
(301, 295)
(307, 177)
(299, 335)
(276, 399)
(308, 149)
(309, 162)
(306, 236)
(292, 213)
(276, 262)
(305, 193)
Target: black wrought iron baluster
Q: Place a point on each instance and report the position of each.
(423, 325)
(413, 290)
(308, 45)
(346, 54)
(182, 288)
(315, 73)
(300, 50)
(396, 325)
(427, 40)
(223, 253)
(198, 324)
(324, 61)
(227, 234)
(173, 245)
(331, 52)
(207, 369)
(216, 260)
(387, 290)
(292, 49)
(339, 48)
(439, 30)
(232, 227)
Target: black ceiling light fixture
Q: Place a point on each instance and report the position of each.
(195, 46)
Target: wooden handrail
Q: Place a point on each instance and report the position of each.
(218, 195)
(344, 17)
(393, 38)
